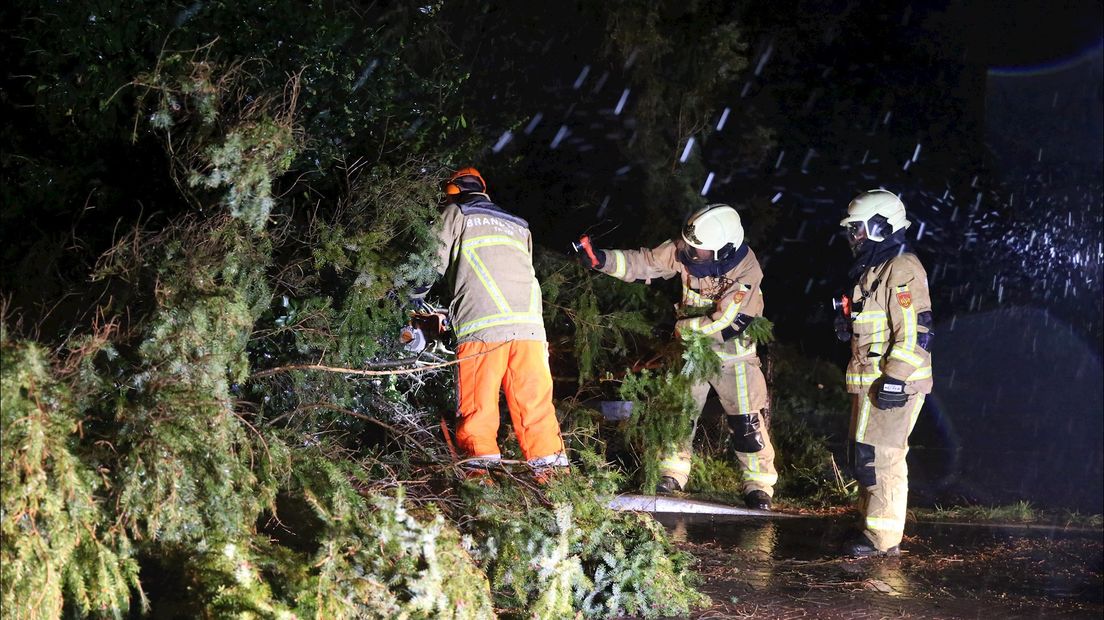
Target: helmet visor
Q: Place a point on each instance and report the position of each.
(689, 254)
(855, 231)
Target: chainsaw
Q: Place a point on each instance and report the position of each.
(426, 330)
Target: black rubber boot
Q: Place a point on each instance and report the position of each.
(757, 500)
(861, 547)
(667, 486)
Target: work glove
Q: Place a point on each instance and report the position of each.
(738, 326)
(745, 432)
(890, 394)
(584, 260)
(843, 328)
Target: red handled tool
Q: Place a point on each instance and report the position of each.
(843, 304)
(583, 245)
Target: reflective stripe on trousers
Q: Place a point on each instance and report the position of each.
(884, 505)
(741, 388)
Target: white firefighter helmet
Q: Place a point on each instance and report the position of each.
(880, 212)
(713, 228)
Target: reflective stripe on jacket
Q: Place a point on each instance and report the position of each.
(487, 254)
(717, 300)
(885, 333)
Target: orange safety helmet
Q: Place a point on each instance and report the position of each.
(462, 181)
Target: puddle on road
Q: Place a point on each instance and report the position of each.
(952, 569)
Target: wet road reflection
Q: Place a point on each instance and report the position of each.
(788, 568)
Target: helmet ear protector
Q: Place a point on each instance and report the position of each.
(878, 226)
(464, 180)
(876, 229)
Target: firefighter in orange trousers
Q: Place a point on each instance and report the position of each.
(721, 276)
(496, 313)
(890, 372)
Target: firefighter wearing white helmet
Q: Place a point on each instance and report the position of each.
(890, 372)
(720, 296)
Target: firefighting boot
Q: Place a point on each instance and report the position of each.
(757, 500)
(668, 486)
(861, 547)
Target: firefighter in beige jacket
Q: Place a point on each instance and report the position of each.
(890, 371)
(720, 281)
(496, 314)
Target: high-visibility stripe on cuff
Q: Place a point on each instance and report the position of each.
(906, 356)
(619, 265)
(693, 298)
(867, 378)
(870, 316)
(921, 373)
(726, 319)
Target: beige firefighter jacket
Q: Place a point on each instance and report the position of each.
(716, 300)
(884, 334)
(487, 254)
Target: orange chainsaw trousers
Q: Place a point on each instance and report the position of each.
(520, 368)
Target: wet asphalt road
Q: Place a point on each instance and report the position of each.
(787, 568)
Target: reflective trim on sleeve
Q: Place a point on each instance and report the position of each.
(726, 319)
(864, 379)
(905, 350)
(920, 373)
(907, 357)
(861, 379)
(742, 352)
(870, 316)
(692, 298)
(620, 267)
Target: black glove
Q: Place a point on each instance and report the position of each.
(584, 260)
(745, 432)
(843, 328)
(890, 394)
(739, 325)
